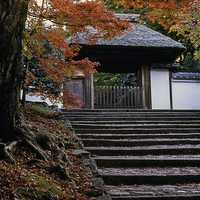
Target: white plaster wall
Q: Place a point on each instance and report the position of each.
(160, 90)
(186, 94)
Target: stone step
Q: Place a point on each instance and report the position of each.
(148, 192)
(170, 197)
(137, 142)
(138, 130)
(134, 126)
(126, 110)
(150, 176)
(133, 113)
(143, 147)
(91, 122)
(148, 161)
(133, 118)
(145, 150)
(138, 136)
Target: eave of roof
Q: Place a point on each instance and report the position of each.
(137, 46)
(138, 36)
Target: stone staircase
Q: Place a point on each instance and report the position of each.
(143, 154)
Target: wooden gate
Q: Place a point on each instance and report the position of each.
(118, 97)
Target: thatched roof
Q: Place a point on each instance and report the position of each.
(136, 47)
(142, 36)
(138, 36)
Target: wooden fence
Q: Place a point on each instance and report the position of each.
(118, 97)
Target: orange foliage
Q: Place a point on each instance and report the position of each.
(165, 12)
(56, 21)
(158, 4)
(179, 16)
(51, 25)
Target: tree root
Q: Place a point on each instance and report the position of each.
(28, 138)
(43, 145)
(25, 137)
(36, 149)
(7, 150)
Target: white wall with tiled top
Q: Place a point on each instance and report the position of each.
(186, 94)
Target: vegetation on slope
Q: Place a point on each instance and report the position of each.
(46, 168)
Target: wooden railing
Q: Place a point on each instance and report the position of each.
(118, 97)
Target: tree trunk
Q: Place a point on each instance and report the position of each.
(12, 22)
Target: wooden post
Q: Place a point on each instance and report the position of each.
(143, 87)
(92, 90)
(170, 89)
(146, 87)
(86, 92)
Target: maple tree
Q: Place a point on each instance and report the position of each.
(188, 26)
(166, 12)
(49, 26)
(51, 36)
(181, 17)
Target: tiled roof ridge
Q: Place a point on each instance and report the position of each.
(131, 17)
(186, 75)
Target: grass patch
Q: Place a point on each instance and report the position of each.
(43, 184)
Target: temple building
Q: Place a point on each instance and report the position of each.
(140, 50)
(147, 55)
